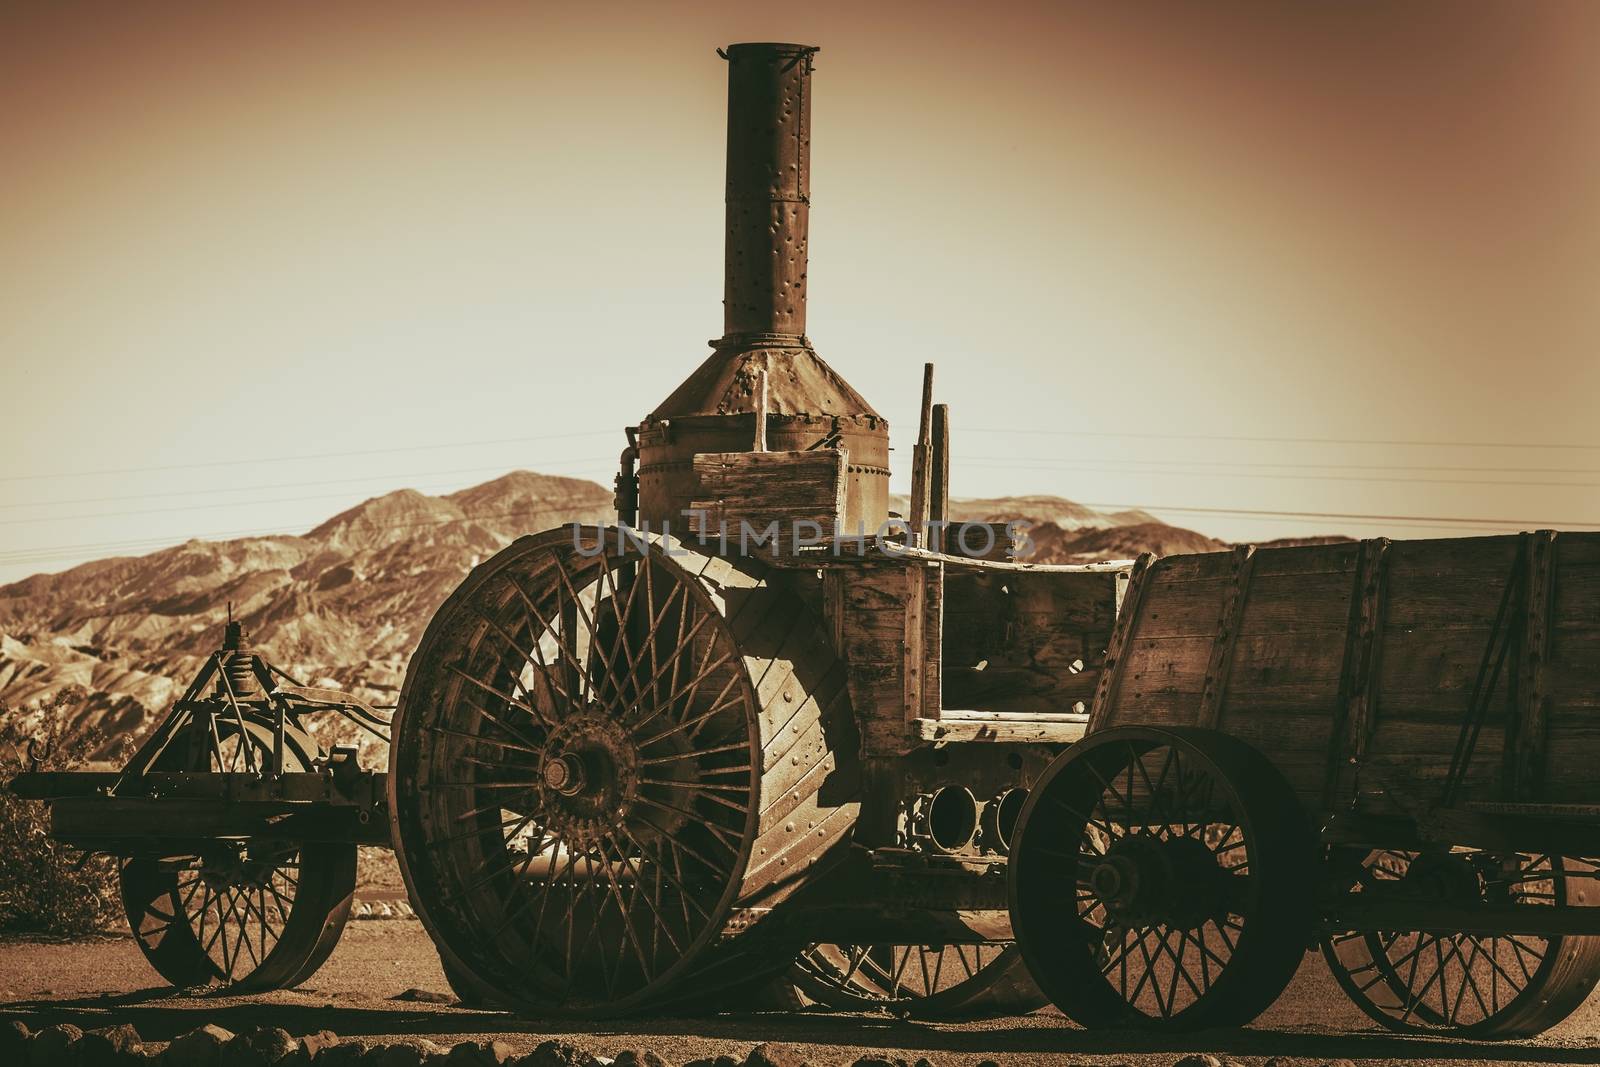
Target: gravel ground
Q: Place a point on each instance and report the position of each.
(103, 982)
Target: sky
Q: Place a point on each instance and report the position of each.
(1263, 269)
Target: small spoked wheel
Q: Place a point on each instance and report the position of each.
(919, 981)
(1162, 878)
(241, 914)
(1474, 985)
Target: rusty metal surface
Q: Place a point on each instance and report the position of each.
(764, 313)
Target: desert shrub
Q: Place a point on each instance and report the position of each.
(45, 886)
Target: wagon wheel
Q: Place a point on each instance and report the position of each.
(245, 915)
(920, 981)
(1191, 868)
(1481, 986)
(605, 760)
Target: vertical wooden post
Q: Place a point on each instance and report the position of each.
(1110, 682)
(1234, 595)
(919, 462)
(1359, 675)
(761, 412)
(939, 503)
(1530, 727)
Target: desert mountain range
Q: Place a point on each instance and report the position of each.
(344, 604)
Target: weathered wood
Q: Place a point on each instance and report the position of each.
(939, 503)
(1531, 716)
(1105, 696)
(874, 604)
(914, 647)
(793, 498)
(979, 540)
(762, 410)
(1227, 635)
(1364, 659)
(932, 639)
(1351, 666)
(1293, 602)
(1354, 701)
(1012, 731)
(918, 519)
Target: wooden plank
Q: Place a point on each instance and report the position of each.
(1102, 712)
(1576, 601)
(932, 638)
(1289, 671)
(968, 715)
(1018, 690)
(1531, 719)
(918, 518)
(1569, 676)
(760, 443)
(1227, 635)
(769, 493)
(939, 505)
(1286, 602)
(913, 647)
(884, 677)
(1447, 584)
(1008, 731)
(1336, 560)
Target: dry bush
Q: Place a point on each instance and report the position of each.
(47, 887)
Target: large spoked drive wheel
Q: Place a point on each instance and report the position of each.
(1162, 878)
(607, 763)
(1481, 986)
(245, 915)
(919, 981)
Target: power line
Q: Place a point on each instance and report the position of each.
(225, 504)
(1088, 464)
(1281, 440)
(1318, 466)
(1441, 521)
(281, 485)
(299, 458)
(1025, 464)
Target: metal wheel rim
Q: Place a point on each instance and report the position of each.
(1246, 922)
(917, 980)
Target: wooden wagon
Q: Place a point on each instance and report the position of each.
(1387, 747)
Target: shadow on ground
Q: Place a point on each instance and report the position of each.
(158, 1015)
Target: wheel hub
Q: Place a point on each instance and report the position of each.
(588, 775)
(1144, 880)
(1447, 877)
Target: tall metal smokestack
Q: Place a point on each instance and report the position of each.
(808, 405)
(769, 189)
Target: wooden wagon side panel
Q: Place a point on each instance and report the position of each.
(1159, 669)
(1570, 683)
(1281, 687)
(1441, 599)
(1250, 642)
